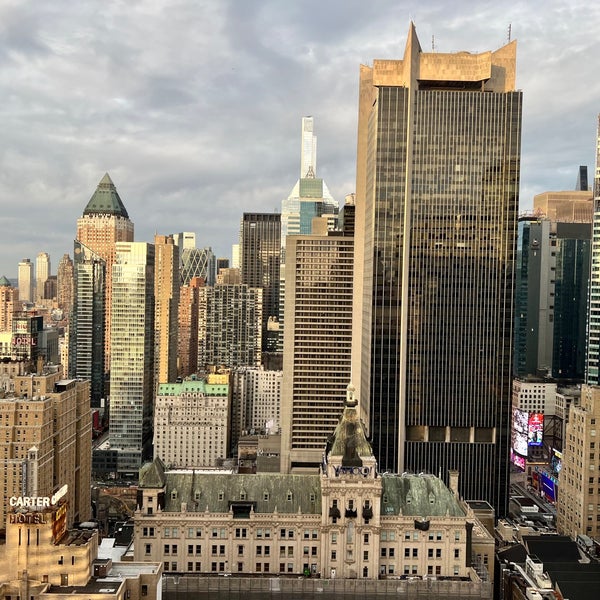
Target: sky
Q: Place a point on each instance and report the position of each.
(194, 107)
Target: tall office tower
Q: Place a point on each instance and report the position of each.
(86, 324)
(104, 223)
(9, 303)
(347, 216)
(592, 370)
(187, 339)
(42, 272)
(436, 203)
(229, 326)
(317, 345)
(308, 151)
(25, 278)
(578, 506)
(260, 250)
(235, 256)
(65, 279)
(166, 297)
(198, 262)
(47, 436)
(132, 355)
(191, 422)
(50, 288)
(582, 179)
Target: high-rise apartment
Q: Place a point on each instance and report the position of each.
(229, 326)
(132, 356)
(436, 203)
(187, 340)
(42, 272)
(260, 249)
(166, 297)
(317, 345)
(104, 223)
(25, 278)
(87, 321)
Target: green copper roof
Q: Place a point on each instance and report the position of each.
(106, 200)
(4, 282)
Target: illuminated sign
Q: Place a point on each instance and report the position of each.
(519, 432)
(25, 341)
(535, 430)
(517, 460)
(38, 502)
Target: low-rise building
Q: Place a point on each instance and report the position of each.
(347, 522)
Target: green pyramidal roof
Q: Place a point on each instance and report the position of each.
(4, 282)
(106, 200)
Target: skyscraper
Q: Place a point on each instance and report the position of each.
(42, 272)
(317, 345)
(436, 201)
(86, 324)
(260, 249)
(166, 297)
(104, 223)
(64, 282)
(132, 357)
(9, 303)
(187, 341)
(25, 278)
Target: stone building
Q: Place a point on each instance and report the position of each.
(348, 522)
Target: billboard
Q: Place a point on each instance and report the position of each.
(519, 432)
(517, 460)
(535, 429)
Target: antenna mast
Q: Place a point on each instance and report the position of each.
(509, 31)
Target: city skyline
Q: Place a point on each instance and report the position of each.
(174, 130)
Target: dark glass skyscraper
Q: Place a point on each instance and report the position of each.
(260, 251)
(436, 204)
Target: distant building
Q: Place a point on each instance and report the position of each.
(187, 341)
(166, 298)
(132, 356)
(65, 279)
(104, 222)
(9, 303)
(26, 281)
(42, 272)
(191, 422)
(260, 249)
(198, 262)
(87, 328)
(347, 522)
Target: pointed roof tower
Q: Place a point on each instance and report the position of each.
(4, 282)
(106, 200)
(349, 440)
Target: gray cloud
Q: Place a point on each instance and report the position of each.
(194, 107)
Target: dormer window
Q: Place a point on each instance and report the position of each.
(266, 496)
(174, 495)
(289, 496)
(197, 495)
(221, 495)
(242, 494)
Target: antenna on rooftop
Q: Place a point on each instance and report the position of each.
(433, 43)
(509, 31)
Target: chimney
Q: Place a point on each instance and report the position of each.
(453, 482)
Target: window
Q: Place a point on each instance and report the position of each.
(438, 553)
(391, 552)
(456, 553)
(415, 552)
(148, 548)
(383, 552)
(240, 567)
(334, 555)
(334, 538)
(366, 538)
(313, 550)
(365, 555)
(240, 550)
(430, 553)
(166, 549)
(406, 552)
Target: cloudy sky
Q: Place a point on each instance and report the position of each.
(194, 106)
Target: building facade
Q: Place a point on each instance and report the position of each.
(260, 249)
(317, 345)
(166, 297)
(47, 433)
(86, 357)
(65, 279)
(104, 223)
(187, 339)
(436, 203)
(191, 422)
(42, 272)
(132, 354)
(25, 277)
(9, 303)
(348, 522)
